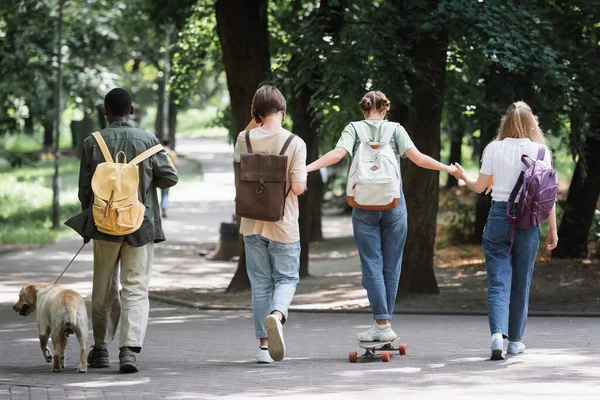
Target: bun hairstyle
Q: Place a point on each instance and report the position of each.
(374, 101)
(267, 100)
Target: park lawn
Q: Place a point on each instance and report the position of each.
(26, 201)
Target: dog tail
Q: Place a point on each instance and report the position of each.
(71, 320)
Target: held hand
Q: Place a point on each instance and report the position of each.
(460, 171)
(451, 169)
(551, 240)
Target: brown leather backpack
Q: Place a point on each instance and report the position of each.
(261, 190)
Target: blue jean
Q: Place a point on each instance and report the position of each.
(380, 237)
(509, 275)
(164, 198)
(274, 270)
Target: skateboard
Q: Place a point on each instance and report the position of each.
(371, 349)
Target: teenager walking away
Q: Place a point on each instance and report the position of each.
(379, 208)
(121, 214)
(272, 165)
(511, 236)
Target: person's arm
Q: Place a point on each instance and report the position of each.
(478, 185)
(252, 125)
(333, 157)
(552, 236)
(424, 161)
(298, 188)
(298, 174)
(163, 171)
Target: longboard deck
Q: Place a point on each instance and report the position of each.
(374, 345)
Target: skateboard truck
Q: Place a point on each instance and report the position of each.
(371, 349)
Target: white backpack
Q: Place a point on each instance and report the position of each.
(374, 176)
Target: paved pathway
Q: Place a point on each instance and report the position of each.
(195, 355)
(187, 357)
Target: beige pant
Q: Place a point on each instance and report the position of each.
(132, 306)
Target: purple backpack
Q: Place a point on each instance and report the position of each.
(540, 188)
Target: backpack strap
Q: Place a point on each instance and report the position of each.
(103, 147)
(387, 136)
(509, 214)
(248, 144)
(287, 144)
(360, 134)
(528, 161)
(541, 153)
(147, 154)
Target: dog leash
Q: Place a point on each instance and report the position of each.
(73, 259)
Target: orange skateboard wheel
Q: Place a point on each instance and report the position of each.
(353, 356)
(402, 349)
(385, 356)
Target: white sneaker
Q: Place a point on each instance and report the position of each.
(263, 356)
(377, 333)
(515, 348)
(497, 347)
(275, 335)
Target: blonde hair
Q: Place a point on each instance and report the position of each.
(519, 122)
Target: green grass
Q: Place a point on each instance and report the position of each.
(26, 201)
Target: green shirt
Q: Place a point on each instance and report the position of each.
(375, 129)
(155, 172)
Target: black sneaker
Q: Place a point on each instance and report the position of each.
(127, 362)
(98, 358)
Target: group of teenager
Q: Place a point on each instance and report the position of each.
(272, 248)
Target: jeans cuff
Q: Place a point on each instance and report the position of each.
(383, 316)
(261, 334)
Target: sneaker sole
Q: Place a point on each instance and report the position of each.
(276, 342)
(128, 368)
(497, 355)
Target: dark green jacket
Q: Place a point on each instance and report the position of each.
(155, 172)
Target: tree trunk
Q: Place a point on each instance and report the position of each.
(87, 125)
(29, 122)
(242, 26)
(330, 20)
(48, 134)
(455, 151)
(48, 124)
(316, 226)
(489, 120)
(159, 128)
(582, 198)
(306, 129)
(173, 111)
(421, 186)
(102, 123)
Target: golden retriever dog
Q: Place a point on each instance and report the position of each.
(60, 312)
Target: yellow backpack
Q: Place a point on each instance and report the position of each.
(117, 209)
